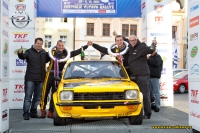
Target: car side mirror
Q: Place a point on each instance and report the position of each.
(133, 78)
(57, 78)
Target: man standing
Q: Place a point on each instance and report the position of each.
(119, 40)
(155, 65)
(36, 58)
(139, 68)
(49, 83)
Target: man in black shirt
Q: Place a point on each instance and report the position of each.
(49, 78)
(155, 65)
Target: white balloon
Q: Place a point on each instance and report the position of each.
(60, 60)
(115, 54)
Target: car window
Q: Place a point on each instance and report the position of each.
(180, 75)
(95, 69)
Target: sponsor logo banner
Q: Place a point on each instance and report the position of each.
(20, 62)
(194, 96)
(194, 8)
(21, 36)
(194, 70)
(194, 51)
(194, 21)
(4, 114)
(194, 36)
(5, 95)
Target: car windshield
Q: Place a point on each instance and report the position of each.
(180, 75)
(95, 70)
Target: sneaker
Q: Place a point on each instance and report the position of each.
(26, 117)
(43, 113)
(146, 117)
(35, 116)
(50, 114)
(156, 109)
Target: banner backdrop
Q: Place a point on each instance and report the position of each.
(21, 33)
(89, 8)
(4, 65)
(194, 63)
(158, 15)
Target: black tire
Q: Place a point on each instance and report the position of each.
(136, 120)
(181, 88)
(58, 121)
(195, 131)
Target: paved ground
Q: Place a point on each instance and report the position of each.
(181, 102)
(166, 116)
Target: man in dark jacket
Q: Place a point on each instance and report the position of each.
(155, 65)
(119, 40)
(36, 58)
(49, 83)
(139, 68)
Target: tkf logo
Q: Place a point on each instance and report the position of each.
(24, 49)
(194, 21)
(164, 97)
(4, 115)
(194, 36)
(143, 5)
(158, 8)
(194, 96)
(20, 18)
(5, 5)
(194, 8)
(21, 37)
(164, 70)
(5, 33)
(158, 19)
(20, 62)
(5, 48)
(162, 50)
(163, 85)
(19, 88)
(194, 51)
(5, 95)
(18, 100)
(158, 34)
(194, 70)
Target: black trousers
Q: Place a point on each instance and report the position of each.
(143, 83)
(49, 84)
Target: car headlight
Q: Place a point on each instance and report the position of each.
(131, 94)
(66, 95)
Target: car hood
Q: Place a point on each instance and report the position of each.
(99, 84)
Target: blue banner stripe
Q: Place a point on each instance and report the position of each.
(125, 8)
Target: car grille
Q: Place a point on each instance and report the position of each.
(100, 96)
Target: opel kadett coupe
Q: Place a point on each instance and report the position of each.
(95, 89)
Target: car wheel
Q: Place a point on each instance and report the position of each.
(182, 88)
(58, 121)
(136, 120)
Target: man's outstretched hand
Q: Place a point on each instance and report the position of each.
(20, 50)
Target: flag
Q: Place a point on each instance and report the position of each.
(175, 53)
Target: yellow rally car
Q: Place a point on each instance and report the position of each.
(95, 89)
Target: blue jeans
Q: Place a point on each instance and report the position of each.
(33, 90)
(155, 88)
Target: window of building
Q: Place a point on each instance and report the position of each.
(48, 19)
(125, 30)
(133, 30)
(106, 29)
(64, 20)
(48, 41)
(64, 39)
(174, 29)
(90, 29)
